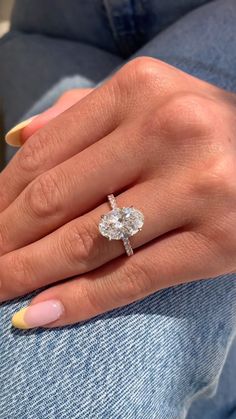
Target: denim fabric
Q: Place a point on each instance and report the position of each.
(118, 26)
(147, 360)
(133, 23)
(165, 357)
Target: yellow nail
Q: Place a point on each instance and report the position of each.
(18, 319)
(13, 136)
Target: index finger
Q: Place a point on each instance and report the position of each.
(68, 99)
(82, 125)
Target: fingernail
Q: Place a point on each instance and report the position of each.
(13, 137)
(38, 315)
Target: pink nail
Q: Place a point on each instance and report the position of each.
(43, 313)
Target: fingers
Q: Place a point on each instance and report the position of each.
(171, 260)
(81, 125)
(67, 100)
(78, 247)
(68, 190)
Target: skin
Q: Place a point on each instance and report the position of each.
(160, 140)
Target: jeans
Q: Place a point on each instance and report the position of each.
(173, 354)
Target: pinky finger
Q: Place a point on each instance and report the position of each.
(171, 260)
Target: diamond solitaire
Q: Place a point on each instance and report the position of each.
(121, 223)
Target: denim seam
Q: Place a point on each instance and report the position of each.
(119, 15)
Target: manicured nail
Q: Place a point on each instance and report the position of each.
(38, 315)
(13, 137)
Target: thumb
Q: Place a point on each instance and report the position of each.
(21, 132)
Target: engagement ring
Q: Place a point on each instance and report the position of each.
(121, 223)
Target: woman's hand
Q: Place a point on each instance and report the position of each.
(160, 140)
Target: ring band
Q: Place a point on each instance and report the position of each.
(121, 223)
(126, 241)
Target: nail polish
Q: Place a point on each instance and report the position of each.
(13, 136)
(37, 315)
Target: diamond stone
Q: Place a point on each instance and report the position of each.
(121, 223)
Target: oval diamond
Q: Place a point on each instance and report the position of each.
(121, 223)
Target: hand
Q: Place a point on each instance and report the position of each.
(158, 139)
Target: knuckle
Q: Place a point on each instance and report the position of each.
(143, 71)
(224, 172)
(20, 274)
(143, 67)
(218, 178)
(32, 154)
(187, 116)
(43, 196)
(86, 296)
(139, 280)
(95, 300)
(38, 152)
(136, 281)
(78, 245)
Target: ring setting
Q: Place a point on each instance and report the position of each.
(121, 223)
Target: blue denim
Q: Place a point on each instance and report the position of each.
(173, 354)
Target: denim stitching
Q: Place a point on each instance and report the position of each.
(126, 19)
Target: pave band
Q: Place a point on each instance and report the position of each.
(126, 241)
(121, 223)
